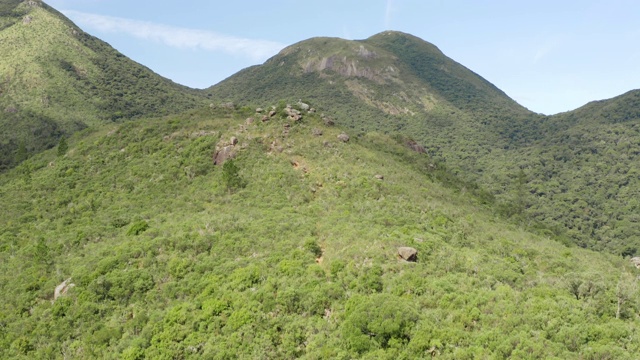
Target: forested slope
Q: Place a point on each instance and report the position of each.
(288, 250)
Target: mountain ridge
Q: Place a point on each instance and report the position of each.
(60, 80)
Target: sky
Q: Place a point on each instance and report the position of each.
(550, 56)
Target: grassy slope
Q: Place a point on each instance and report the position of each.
(56, 79)
(222, 274)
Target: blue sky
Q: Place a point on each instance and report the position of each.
(550, 56)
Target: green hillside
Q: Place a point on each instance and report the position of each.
(287, 251)
(55, 79)
(574, 172)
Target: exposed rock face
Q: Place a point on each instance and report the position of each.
(364, 53)
(225, 151)
(413, 145)
(62, 288)
(408, 253)
(636, 261)
(343, 137)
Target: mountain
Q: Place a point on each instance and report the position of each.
(289, 250)
(391, 81)
(572, 172)
(56, 79)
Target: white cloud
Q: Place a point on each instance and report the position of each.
(177, 37)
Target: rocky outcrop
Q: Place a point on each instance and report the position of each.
(408, 254)
(62, 289)
(292, 114)
(225, 151)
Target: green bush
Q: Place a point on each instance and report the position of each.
(231, 176)
(138, 228)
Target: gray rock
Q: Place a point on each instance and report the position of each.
(233, 140)
(316, 132)
(226, 152)
(379, 177)
(636, 261)
(408, 253)
(303, 106)
(343, 137)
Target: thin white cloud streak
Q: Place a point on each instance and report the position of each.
(546, 48)
(176, 37)
(387, 15)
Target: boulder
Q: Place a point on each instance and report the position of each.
(316, 132)
(295, 117)
(379, 177)
(636, 261)
(302, 105)
(250, 120)
(343, 137)
(328, 121)
(408, 253)
(233, 140)
(265, 118)
(226, 152)
(272, 113)
(259, 110)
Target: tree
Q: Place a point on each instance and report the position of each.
(62, 146)
(21, 153)
(231, 176)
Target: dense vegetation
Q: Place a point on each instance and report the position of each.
(59, 80)
(288, 252)
(124, 240)
(573, 172)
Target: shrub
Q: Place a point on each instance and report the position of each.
(231, 176)
(138, 228)
(312, 246)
